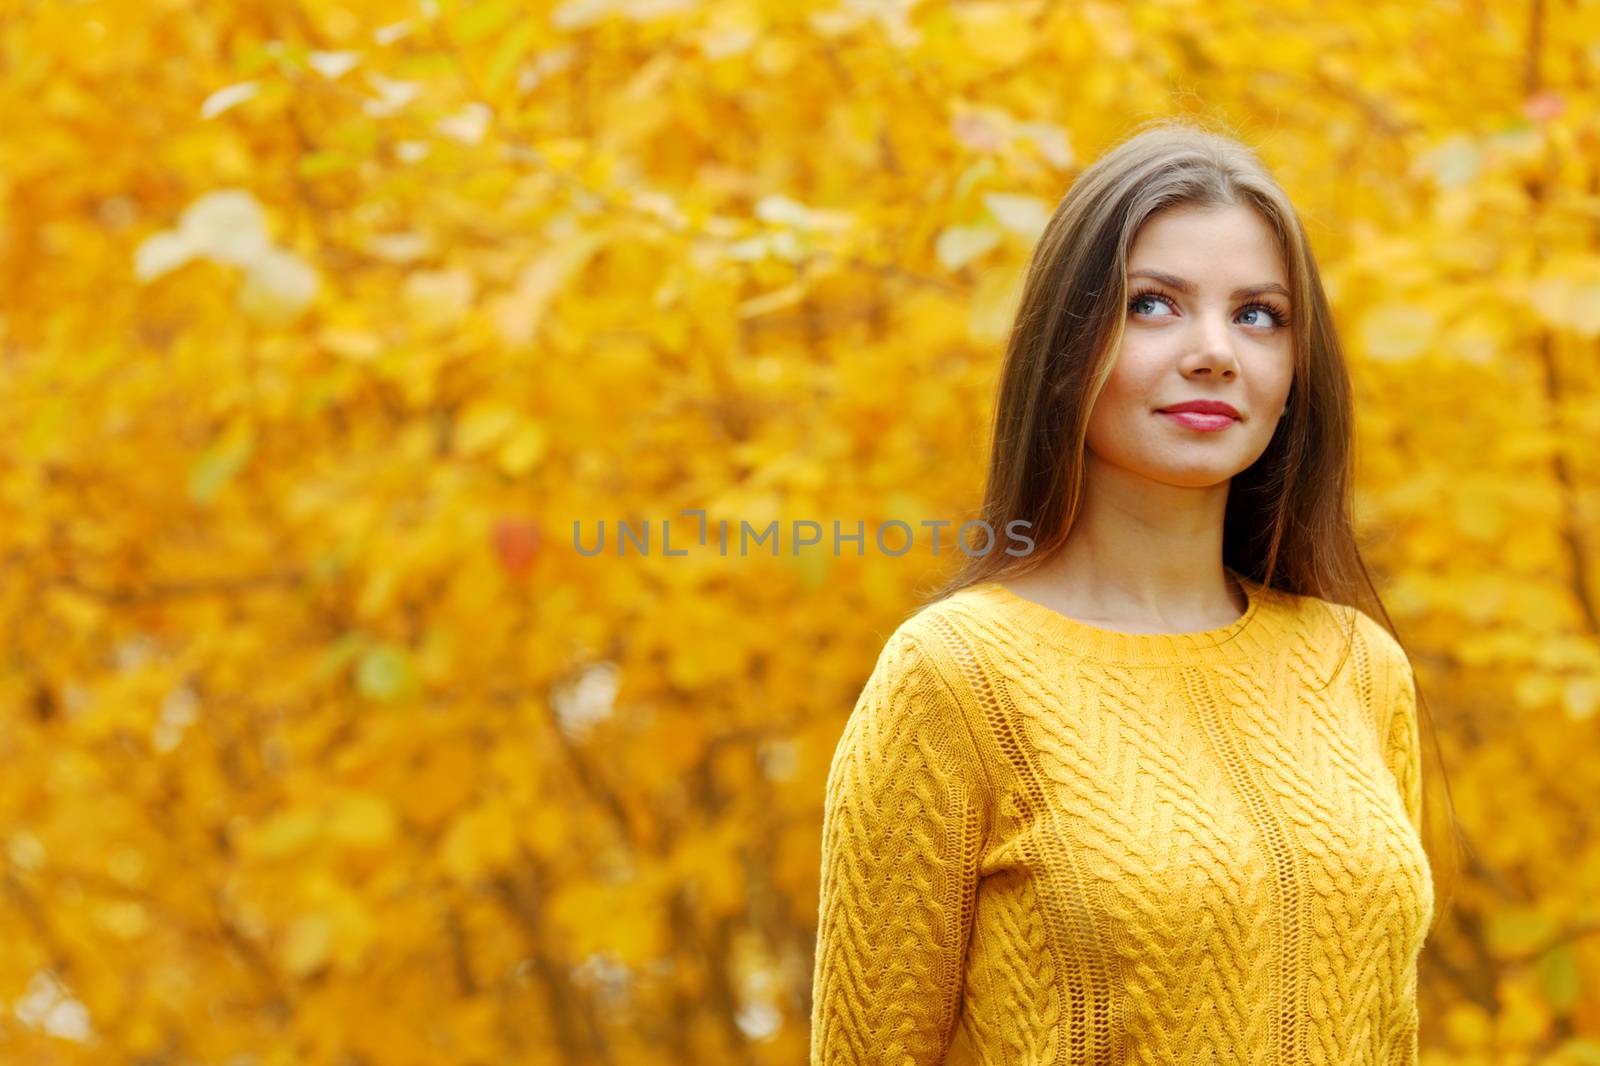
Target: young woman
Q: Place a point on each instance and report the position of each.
(1151, 793)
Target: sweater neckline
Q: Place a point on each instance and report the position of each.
(1232, 640)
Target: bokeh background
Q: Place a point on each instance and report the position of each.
(322, 324)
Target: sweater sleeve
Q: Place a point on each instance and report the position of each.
(902, 824)
(1402, 751)
(1398, 727)
(1403, 754)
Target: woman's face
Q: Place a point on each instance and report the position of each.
(1207, 329)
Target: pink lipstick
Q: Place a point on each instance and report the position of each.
(1204, 415)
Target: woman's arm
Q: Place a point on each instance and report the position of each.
(901, 837)
(1402, 751)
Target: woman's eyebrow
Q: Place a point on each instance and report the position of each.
(1188, 287)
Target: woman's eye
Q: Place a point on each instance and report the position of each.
(1140, 302)
(1145, 304)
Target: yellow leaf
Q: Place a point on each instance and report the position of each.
(1567, 293)
(482, 425)
(123, 919)
(524, 448)
(480, 840)
(361, 820)
(994, 304)
(1515, 930)
(1396, 331)
(518, 314)
(306, 944)
(1582, 697)
(958, 245)
(281, 835)
(361, 345)
(218, 464)
(1023, 215)
(545, 831)
(439, 299)
(278, 287)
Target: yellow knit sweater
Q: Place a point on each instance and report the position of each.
(1047, 842)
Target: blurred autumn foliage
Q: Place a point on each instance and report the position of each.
(323, 322)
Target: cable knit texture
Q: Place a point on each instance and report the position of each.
(1047, 842)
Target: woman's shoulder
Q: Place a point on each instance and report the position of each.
(924, 669)
(1332, 617)
(967, 608)
(968, 627)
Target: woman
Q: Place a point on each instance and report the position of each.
(1151, 793)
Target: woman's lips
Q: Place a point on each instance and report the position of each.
(1196, 420)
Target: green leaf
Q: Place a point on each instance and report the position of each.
(1558, 973)
(813, 562)
(384, 672)
(319, 163)
(516, 44)
(338, 656)
(254, 59)
(1579, 1052)
(1517, 930)
(485, 19)
(420, 66)
(213, 470)
(979, 170)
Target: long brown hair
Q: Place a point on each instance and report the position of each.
(1288, 519)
